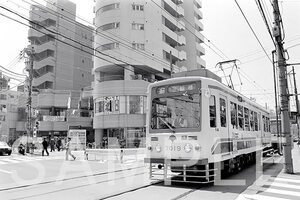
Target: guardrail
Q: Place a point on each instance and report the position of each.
(113, 154)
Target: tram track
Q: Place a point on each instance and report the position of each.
(68, 179)
(79, 186)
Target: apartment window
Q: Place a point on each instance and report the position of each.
(138, 46)
(137, 7)
(107, 8)
(108, 46)
(136, 26)
(109, 26)
(212, 111)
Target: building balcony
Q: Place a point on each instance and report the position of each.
(47, 61)
(34, 33)
(198, 12)
(199, 24)
(52, 126)
(46, 77)
(43, 47)
(199, 36)
(200, 49)
(180, 55)
(174, 9)
(120, 120)
(198, 3)
(39, 16)
(180, 25)
(180, 39)
(201, 62)
(80, 121)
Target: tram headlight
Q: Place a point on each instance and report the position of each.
(197, 147)
(158, 148)
(188, 148)
(149, 148)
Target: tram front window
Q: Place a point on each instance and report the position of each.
(176, 112)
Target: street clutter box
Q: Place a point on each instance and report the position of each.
(78, 139)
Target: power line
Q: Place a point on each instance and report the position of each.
(252, 30)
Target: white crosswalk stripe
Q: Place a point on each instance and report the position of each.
(279, 188)
(15, 159)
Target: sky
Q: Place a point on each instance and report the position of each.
(227, 34)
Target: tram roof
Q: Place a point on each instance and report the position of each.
(209, 81)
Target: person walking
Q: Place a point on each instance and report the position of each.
(45, 146)
(52, 144)
(58, 144)
(68, 150)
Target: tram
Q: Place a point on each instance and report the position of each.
(195, 124)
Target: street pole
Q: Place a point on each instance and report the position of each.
(276, 108)
(171, 64)
(283, 89)
(297, 102)
(30, 53)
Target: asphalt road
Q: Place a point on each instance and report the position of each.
(36, 177)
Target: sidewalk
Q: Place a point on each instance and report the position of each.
(281, 186)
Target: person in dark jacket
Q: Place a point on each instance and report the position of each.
(52, 145)
(58, 144)
(45, 146)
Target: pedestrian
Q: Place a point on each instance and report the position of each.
(68, 150)
(52, 144)
(58, 144)
(45, 146)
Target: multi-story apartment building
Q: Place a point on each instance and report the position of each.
(62, 62)
(138, 42)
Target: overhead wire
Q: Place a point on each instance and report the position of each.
(252, 30)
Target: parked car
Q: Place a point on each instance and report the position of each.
(4, 148)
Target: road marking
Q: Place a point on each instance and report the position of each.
(262, 197)
(9, 160)
(284, 192)
(287, 180)
(284, 185)
(4, 171)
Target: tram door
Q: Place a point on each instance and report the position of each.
(224, 123)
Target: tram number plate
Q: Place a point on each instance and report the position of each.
(173, 148)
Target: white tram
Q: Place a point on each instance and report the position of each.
(196, 123)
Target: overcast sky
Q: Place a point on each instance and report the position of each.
(224, 26)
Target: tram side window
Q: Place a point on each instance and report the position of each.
(241, 117)
(255, 121)
(264, 123)
(223, 112)
(233, 112)
(268, 124)
(259, 121)
(212, 111)
(247, 125)
(251, 121)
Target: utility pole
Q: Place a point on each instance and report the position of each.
(283, 89)
(29, 62)
(297, 101)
